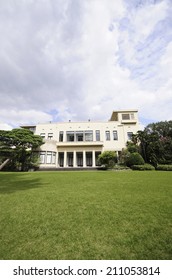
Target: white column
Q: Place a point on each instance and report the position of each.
(93, 159)
(84, 159)
(117, 153)
(65, 159)
(74, 159)
(57, 159)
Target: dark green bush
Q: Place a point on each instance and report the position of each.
(107, 159)
(164, 167)
(143, 167)
(134, 159)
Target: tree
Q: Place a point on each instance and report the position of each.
(155, 143)
(108, 159)
(19, 145)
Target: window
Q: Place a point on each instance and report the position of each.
(61, 159)
(42, 135)
(115, 135)
(70, 159)
(79, 157)
(50, 136)
(70, 136)
(79, 136)
(129, 135)
(88, 158)
(132, 116)
(53, 158)
(125, 116)
(108, 135)
(49, 157)
(89, 135)
(42, 157)
(97, 156)
(61, 136)
(97, 135)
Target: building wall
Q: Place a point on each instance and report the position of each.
(81, 150)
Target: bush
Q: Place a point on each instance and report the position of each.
(143, 167)
(164, 167)
(132, 148)
(107, 159)
(121, 167)
(134, 159)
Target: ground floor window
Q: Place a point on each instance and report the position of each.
(42, 157)
(47, 157)
(70, 159)
(88, 158)
(61, 159)
(79, 157)
(96, 157)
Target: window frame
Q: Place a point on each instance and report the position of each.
(107, 134)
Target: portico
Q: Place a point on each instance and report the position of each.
(78, 156)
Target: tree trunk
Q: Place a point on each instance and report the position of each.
(4, 163)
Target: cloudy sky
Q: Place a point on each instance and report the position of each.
(82, 59)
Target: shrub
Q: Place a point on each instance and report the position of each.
(164, 167)
(132, 148)
(121, 167)
(134, 159)
(107, 159)
(143, 167)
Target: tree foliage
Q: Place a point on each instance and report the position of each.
(19, 145)
(134, 159)
(155, 143)
(108, 159)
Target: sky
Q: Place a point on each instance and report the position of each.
(76, 60)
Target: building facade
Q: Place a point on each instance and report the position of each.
(78, 144)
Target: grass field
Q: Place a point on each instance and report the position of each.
(86, 215)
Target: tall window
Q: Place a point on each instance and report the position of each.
(132, 116)
(108, 135)
(97, 135)
(70, 136)
(129, 135)
(61, 136)
(70, 159)
(79, 157)
(79, 136)
(89, 135)
(89, 159)
(53, 158)
(61, 159)
(97, 161)
(49, 157)
(42, 157)
(115, 135)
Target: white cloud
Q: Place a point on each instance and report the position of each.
(82, 59)
(22, 117)
(5, 126)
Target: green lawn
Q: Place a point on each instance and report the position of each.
(86, 215)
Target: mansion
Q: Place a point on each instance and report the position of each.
(78, 144)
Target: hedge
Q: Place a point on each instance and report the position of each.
(143, 167)
(164, 167)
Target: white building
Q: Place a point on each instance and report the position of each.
(78, 144)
